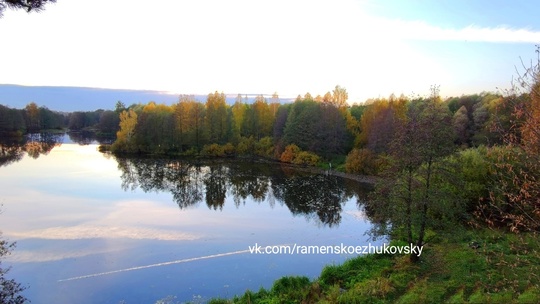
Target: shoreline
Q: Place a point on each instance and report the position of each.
(366, 179)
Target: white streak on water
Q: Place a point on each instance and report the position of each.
(154, 265)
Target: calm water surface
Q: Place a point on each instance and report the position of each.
(93, 228)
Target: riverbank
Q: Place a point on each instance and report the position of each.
(365, 179)
(465, 266)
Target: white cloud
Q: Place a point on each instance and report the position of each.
(419, 30)
(56, 254)
(104, 232)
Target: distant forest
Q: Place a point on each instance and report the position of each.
(34, 118)
(422, 146)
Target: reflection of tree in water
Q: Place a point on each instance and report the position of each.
(13, 149)
(10, 153)
(316, 197)
(250, 180)
(215, 184)
(182, 179)
(84, 138)
(313, 195)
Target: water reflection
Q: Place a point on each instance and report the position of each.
(84, 138)
(317, 197)
(12, 149)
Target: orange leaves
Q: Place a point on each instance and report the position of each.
(293, 154)
(290, 153)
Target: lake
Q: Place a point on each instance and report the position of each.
(95, 228)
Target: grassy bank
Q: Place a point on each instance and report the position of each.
(466, 266)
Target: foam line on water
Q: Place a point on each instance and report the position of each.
(154, 265)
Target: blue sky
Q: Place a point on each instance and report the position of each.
(372, 48)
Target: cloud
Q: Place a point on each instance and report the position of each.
(34, 256)
(357, 214)
(419, 30)
(92, 232)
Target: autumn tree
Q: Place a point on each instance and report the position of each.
(340, 97)
(378, 123)
(361, 161)
(328, 97)
(216, 115)
(238, 110)
(279, 128)
(125, 141)
(353, 119)
(290, 153)
(198, 134)
(308, 97)
(410, 199)
(461, 126)
(262, 119)
(32, 117)
(182, 119)
(154, 130)
(189, 117)
(515, 203)
(216, 118)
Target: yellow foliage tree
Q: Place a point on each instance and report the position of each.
(124, 137)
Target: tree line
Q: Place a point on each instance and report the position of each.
(309, 128)
(325, 127)
(34, 118)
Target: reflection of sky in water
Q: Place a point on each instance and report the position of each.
(70, 218)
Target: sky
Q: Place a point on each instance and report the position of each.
(372, 48)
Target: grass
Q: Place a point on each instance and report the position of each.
(465, 266)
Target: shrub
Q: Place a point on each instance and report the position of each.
(265, 147)
(290, 153)
(306, 158)
(497, 188)
(361, 161)
(228, 149)
(213, 150)
(246, 145)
